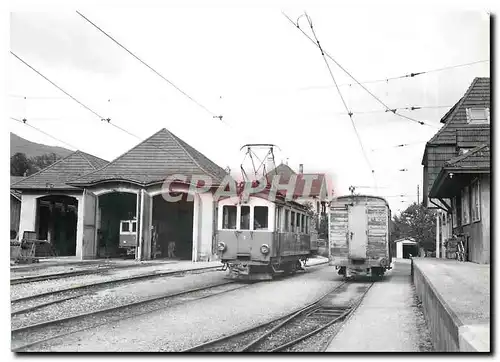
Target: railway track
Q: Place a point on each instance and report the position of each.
(35, 301)
(85, 271)
(35, 334)
(285, 333)
(103, 284)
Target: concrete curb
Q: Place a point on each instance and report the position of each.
(474, 338)
(466, 338)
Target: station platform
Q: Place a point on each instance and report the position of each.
(387, 320)
(456, 300)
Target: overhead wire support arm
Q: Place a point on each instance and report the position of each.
(324, 52)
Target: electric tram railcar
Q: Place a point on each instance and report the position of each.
(128, 236)
(258, 238)
(358, 234)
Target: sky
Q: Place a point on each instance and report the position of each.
(257, 70)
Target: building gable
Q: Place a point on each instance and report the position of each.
(153, 160)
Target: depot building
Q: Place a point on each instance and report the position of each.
(90, 208)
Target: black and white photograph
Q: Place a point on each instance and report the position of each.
(237, 177)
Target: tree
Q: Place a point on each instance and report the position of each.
(416, 222)
(20, 165)
(40, 162)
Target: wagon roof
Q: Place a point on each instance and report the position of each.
(361, 196)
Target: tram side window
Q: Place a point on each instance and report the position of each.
(298, 223)
(302, 223)
(125, 227)
(260, 217)
(293, 222)
(307, 224)
(134, 226)
(245, 218)
(229, 217)
(287, 221)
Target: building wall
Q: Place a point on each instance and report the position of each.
(28, 216)
(15, 213)
(479, 231)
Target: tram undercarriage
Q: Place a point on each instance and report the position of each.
(251, 272)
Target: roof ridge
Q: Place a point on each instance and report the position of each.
(175, 138)
(85, 154)
(44, 169)
(119, 157)
(86, 159)
(454, 110)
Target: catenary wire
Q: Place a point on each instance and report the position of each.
(350, 75)
(150, 67)
(343, 101)
(45, 133)
(73, 98)
(408, 75)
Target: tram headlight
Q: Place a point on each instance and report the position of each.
(264, 249)
(221, 246)
(383, 262)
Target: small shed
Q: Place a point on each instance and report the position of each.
(405, 247)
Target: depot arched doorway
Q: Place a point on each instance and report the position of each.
(57, 217)
(172, 226)
(117, 217)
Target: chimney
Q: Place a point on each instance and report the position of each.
(301, 168)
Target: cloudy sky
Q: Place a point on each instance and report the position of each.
(257, 70)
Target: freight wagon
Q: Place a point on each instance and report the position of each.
(358, 229)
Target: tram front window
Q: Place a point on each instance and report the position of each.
(125, 226)
(245, 218)
(229, 217)
(260, 217)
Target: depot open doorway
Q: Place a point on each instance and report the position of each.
(57, 217)
(172, 227)
(118, 217)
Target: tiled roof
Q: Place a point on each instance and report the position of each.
(478, 95)
(14, 179)
(478, 157)
(15, 193)
(94, 161)
(283, 171)
(318, 185)
(153, 160)
(56, 175)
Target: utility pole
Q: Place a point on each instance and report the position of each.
(438, 249)
(418, 194)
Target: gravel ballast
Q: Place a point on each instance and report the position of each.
(186, 325)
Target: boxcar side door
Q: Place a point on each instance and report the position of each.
(357, 233)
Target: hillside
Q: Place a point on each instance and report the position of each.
(31, 149)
